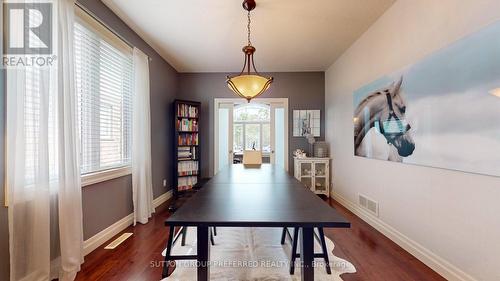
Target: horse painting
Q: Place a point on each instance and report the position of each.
(381, 130)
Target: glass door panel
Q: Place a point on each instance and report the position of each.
(279, 136)
(266, 142)
(239, 143)
(305, 170)
(252, 136)
(266, 138)
(224, 136)
(320, 184)
(307, 182)
(320, 170)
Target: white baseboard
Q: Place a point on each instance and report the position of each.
(100, 238)
(438, 264)
(162, 198)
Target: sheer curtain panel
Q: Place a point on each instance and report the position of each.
(43, 173)
(142, 186)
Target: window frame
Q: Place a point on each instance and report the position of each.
(88, 20)
(244, 123)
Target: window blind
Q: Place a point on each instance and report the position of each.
(104, 83)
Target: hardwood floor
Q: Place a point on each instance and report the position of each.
(374, 256)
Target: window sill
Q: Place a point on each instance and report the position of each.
(106, 175)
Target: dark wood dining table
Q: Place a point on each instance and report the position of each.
(254, 196)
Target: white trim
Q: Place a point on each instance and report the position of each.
(100, 238)
(435, 262)
(105, 175)
(162, 199)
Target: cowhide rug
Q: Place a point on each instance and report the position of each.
(252, 254)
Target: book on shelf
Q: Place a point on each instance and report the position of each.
(188, 139)
(187, 125)
(186, 110)
(186, 183)
(188, 168)
(186, 153)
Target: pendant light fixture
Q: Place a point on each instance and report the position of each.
(249, 84)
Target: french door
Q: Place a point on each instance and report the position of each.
(279, 134)
(224, 141)
(223, 135)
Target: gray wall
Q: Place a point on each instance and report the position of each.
(304, 90)
(4, 227)
(107, 202)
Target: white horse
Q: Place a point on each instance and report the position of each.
(380, 127)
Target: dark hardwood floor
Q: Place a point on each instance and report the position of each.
(374, 256)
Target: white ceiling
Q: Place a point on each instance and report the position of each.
(290, 35)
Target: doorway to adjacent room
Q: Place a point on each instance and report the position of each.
(259, 125)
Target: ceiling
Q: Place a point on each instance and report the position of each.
(290, 35)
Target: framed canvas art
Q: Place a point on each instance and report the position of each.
(443, 111)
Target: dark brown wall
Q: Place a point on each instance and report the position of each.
(107, 202)
(304, 90)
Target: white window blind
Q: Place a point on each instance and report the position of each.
(104, 83)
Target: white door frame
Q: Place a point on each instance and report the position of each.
(219, 101)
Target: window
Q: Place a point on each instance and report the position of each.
(104, 82)
(252, 128)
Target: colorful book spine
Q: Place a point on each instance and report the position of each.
(185, 110)
(186, 183)
(187, 125)
(188, 139)
(187, 168)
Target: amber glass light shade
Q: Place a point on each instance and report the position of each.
(249, 83)
(249, 86)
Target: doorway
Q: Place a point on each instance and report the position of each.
(260, 125)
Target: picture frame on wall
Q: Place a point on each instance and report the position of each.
(306, 122)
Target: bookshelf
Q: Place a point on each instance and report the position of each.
(186, 146)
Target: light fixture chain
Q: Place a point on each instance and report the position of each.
(248, 27)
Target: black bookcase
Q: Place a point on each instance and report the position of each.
(186, 149)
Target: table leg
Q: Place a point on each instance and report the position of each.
(307, 253)
(324, 250)
(184, 234)
(167, 260)
(203, 248)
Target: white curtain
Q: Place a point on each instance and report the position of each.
(43, 173)
(142, 187)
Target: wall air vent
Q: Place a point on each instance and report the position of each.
(368, 204)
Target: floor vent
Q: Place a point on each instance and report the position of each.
(118, 241)
(368, 204)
